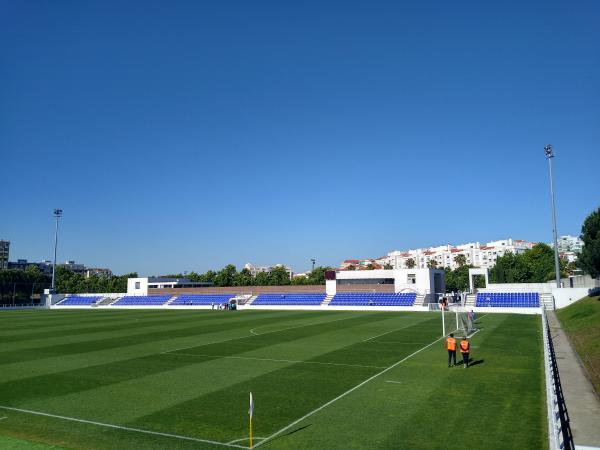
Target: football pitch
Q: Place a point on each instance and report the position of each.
(142, 379)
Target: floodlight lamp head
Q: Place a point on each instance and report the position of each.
(548, 151)
(58, 212)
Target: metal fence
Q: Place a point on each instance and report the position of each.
(559, 430)
(21, 293)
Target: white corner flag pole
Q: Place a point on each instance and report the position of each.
(250, 413)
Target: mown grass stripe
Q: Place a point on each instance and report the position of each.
(128, 337)
(120, 427)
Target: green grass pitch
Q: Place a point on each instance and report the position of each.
(108, 379)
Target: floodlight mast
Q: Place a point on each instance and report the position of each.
(313, 263)
(549, 153)
(57, 214)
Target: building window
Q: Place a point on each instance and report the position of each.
(411, 278)
(137, 284)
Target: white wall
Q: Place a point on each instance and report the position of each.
(131, 286)
(330, 287)
(423, 278)
(542, 288)
(566, 296)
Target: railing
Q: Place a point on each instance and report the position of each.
(22, 306)
(559, 430)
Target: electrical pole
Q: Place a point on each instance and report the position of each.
(549, 152)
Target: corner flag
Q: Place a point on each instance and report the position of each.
(250, 413)
(251, 410)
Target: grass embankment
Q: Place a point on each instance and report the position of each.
(581, 322)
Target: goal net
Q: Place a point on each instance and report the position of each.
(464, 320)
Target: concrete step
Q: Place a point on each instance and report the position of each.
(470, 300)
(106, 301)
(251, 300)
(171, 300)
(420, 300)
(327, 300)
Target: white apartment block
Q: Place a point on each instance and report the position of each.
(255, 270)
(569, 244)
(475, 254)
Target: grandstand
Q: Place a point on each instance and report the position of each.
(197, 300)
(508, 299)
(304, 299)
(373, 299)
(79, 300)
(142, 300)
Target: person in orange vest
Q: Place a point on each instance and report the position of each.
(465, 348)
(451, 347)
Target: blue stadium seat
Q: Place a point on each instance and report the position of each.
(202, 299)
(303, 299)
(142, 300)
(79, 300)
(508, 299)
(373, 299)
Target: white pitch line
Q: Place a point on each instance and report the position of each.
(277, 360)
(388, 332)
(349, 391)
(119, 427)
(345, 393)
(246, 439)
(2, 418)
(252, 335)
(396, 382)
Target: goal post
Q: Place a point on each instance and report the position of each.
(464, 320)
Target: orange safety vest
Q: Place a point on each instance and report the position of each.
(451, 343)
(464, 346)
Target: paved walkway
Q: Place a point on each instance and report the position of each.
(582, 403)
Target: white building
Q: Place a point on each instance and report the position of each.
(427, 282)
(255, 270)
(569, 244)
(141, 285)
(475, 254)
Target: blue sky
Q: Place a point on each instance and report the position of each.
(188, 135)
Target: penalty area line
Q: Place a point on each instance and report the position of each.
(119, 427)
(295, 422)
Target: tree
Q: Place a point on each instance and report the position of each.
(225, 276)
(262, 279)
(540, 262)
(535, 265)
(388, 266)
(432, 264)
(370, 266)
(351, 267)
(410, 263)
(243, 278)
(297, 281)
(461, 260)
(589, 259)
(21, 286)
(279, 276)
(317, 276)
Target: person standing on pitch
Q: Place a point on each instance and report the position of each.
(451, 347)
(465, 348)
